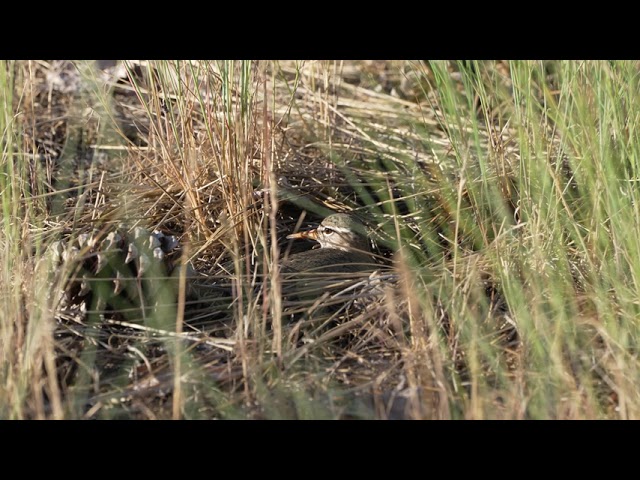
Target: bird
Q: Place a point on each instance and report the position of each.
(344, 248)
(317, 282)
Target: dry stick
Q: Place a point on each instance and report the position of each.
(221, 343)
(177, 373)
(50, 367)
(272, 205)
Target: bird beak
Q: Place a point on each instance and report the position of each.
(308, 235)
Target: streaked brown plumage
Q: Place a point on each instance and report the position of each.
(344, 248)
(327, 273)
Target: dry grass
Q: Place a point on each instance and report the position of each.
(490, 301)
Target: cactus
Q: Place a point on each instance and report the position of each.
(124, 272)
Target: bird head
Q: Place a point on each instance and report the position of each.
(340, 231)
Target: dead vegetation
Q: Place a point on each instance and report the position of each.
(227, 158)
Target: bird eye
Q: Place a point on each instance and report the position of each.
(328, 231)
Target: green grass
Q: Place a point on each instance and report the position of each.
(503, 196)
